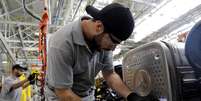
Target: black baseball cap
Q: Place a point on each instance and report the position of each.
(116, 18)
(19, 67)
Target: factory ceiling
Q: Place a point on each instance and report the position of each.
(154, 19)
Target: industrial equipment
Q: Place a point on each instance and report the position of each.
(161, 69)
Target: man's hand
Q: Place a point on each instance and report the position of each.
(115, 82)
(135, 97)
(32, 82)
(66, 95)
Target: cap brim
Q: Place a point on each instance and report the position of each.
(92, 11)
(22, 68)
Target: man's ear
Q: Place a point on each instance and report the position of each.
(99, 26)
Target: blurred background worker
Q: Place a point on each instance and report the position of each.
(182, 37)
(12, 86)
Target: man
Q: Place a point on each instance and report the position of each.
(12, 86)
(79, 50)
(182, 37)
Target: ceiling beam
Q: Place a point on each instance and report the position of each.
(17, 9)
(6, 10)
(26, 48)
(18, 2)
(31, 61)
(22, 41)
(186, 18)
(25, 41)
(10, 54)
(68, 6)
(19, 29)
(146, 2)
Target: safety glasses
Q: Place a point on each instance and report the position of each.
(114, 39)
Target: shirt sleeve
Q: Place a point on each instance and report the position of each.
(107, 61)
(6, 87)
(59, 69)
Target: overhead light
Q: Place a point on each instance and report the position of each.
(4, 62)
(36, 34)
(4, 58)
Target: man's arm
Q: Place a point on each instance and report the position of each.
(19, 84)
(66, 95)
(115, 82)
(26, 85)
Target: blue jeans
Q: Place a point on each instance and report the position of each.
(50, 96)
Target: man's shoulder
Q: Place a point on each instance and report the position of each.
(64, 31)
(62, 37)
(9, 78)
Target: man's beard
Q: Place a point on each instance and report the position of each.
(95, 46)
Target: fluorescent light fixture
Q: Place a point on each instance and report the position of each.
(163, 16)
(36, 33)
(4, 62)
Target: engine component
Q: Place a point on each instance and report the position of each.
(161, 69)
(142, 82)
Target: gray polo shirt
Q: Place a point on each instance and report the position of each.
(13, 95)
(71, 64)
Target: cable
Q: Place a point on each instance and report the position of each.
(29, 12)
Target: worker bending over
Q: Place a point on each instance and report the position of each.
(79, 50)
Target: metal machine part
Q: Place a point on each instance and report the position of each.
(161, 69)
(142, 82)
